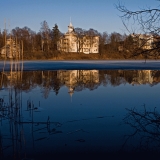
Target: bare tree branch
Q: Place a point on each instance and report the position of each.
(148, 21)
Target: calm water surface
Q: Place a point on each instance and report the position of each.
(46, 114)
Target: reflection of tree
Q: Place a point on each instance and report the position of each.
(3, 81)
(56, 86)
(50, 80)
(146, 127)
(113, 77)
(13, 136)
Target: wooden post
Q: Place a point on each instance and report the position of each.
(5, 53)
(22, 55)
(5, 39)
(16, 56)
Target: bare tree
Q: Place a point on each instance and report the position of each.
(148, 21)
(80, 34)
(103, 42)
(45, 32)
(146, 127)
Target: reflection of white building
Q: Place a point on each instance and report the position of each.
(71, 42)
(88, 76)
(74, 78)
(143, 77)
(13, 76)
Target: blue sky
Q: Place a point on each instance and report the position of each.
(101, 15)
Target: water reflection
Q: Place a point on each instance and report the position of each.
(78, 80)
(33, 126)
(146, 129)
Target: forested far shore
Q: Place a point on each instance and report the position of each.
(43, 44)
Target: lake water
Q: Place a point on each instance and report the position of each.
(79, 113)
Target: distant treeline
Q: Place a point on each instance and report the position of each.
(43, 44)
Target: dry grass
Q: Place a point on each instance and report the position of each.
(56, 55)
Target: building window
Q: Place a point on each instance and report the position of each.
(85, 49)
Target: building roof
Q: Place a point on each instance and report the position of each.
(70, 25)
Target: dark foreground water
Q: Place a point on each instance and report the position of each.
(80, 114)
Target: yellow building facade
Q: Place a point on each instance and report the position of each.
(10, 50)
(71, 42)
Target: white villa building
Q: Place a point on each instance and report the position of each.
(10, 50)
(145, 41)
(71, 42)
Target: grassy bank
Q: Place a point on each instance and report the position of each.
(77, 56)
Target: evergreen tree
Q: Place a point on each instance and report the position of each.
(1, 39)
(56, 36)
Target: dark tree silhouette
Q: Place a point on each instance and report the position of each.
(56, 36)
(146, 128)
(148, 19)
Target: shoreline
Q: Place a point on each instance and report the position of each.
(57, 56)
(86, 65)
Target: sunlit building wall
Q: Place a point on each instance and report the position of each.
(11, 50)
(70, 42)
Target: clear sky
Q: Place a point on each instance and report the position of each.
(101, 15)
